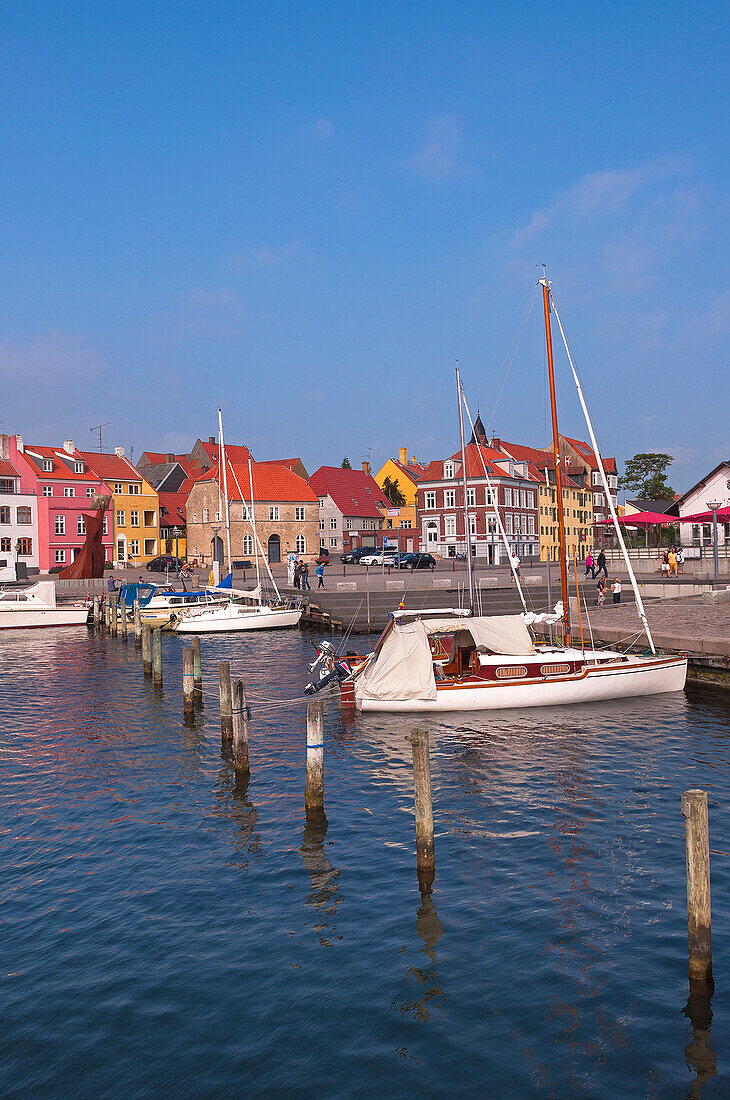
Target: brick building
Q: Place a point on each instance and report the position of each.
(581, 457)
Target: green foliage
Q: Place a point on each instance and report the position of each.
(392, 491)
(645, 475)
(345, 464)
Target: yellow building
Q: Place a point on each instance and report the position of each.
(407, 475)
(135, 508)
(578, 515)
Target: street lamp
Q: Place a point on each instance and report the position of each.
(713, 505)
(176, 536)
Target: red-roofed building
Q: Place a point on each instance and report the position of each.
(286, 511)
(18, 519)
(352, 508)
(580, 454)
(514, 489)
(205, 454)
(135, 507)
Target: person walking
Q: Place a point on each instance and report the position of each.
(320, 575)
(665, 564)
(616, 590)
(515, 565)
(304, 575)
(297, 574)
(602, 565)
(589, 565)
(672, 557)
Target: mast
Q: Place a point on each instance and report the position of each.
(556, 454)
(222, 456)
(253, 524)
(467, 532)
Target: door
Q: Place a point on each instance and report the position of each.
(217, 545)
(274, 550)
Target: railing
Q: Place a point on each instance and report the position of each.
(654, 553)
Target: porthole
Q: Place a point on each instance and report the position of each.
(510, 672)
(554, 670)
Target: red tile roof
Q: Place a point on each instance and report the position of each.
(62, 464)
(474, 466)
(234, 453)
(586, 451)
(159, 458)
(414, 470)
(173, 508)
(7, 469)
(354, 492)
(111, 467)
(271, 482)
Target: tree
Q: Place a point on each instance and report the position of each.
(645, 475)
(393, 493)
(345, 464)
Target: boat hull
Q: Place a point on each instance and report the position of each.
(622, 680)
(268, 619)
(38, 617)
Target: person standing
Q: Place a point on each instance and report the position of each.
(589, 565)
(297, 574)
(672, 558)
(306, 586)
(515, 565)
(680, 559)
(602, 565)
(320, 575)
(601, 590)
(616, 590)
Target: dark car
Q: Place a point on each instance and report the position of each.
(356, 554)
(417, 561)
(165, 563)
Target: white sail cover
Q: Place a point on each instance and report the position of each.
(506, 634)
(402, 668)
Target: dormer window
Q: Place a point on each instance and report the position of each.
(78, 467)
(47, 464)
(448, 470)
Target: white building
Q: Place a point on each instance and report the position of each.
(713, 488)
(18, 524)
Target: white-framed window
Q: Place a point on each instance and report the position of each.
(273, 511)
(490, 496)
(48, 466)
(206, 515)
(333, 523)
(247, 544)
(530, 498)
(508, 497)
(134, 547)
(596, 478)
(300, 544)
(598, 498)
(195, 520)
(449, 527)
(217, 517)
(80, 525)
(531, 525)
(105, 525)
(333, 541)
(47, 490)
(523, 499)
(348, 524)
(448, 471)
(78, 467)
(89, 490)
(321, 543)
(134, 489)
(449, 498)
(471, 498)
(321, 504)
(60, 556)
(120, 518)
(299, 513)
(321, 524)
(69, 491)
(429, 498)
(508, 525)
(59, 525)
(491, 525)
(134, 518)
(472, 525)
(118, 487)
(432, 533)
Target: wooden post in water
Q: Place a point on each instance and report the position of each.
(146, 650)
(97, 613)
(224, 682)
(314, 783)
(157, 657)
(240, 731)
(699, 921)
(197, 672)
(425, 854)
(114, 619)
(187, 683)
(137, 626)
(123, 620)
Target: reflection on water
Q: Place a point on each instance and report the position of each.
(158, 915)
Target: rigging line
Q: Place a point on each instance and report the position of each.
(517, 340)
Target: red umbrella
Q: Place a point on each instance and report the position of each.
(642, 519)
(723, 516)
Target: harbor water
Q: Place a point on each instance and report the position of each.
(165, 932)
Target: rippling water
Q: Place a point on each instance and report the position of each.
(163, 932)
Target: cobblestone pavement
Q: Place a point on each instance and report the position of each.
(691, 617)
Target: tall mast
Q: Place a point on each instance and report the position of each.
(556, 454)
(467, 532)
(222, 457)
(253, 525)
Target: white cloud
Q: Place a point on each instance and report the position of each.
(437, 159)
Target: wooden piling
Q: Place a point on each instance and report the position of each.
(146, 650)
(107, 615)
(97, 612)
(187, 681)
(114, 611)
(123, 620)
(137, 626)
(699, 920)
(314, 783)
(157, 657)
(197, 672)
(240, 731)
(425, 854)
(224, 682)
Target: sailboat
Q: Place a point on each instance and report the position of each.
(234, 614)
(454, 660)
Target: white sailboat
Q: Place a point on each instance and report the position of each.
(235, 615)
(433, 661)
(36, 606)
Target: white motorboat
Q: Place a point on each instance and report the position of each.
(235, 617)
(36, 606)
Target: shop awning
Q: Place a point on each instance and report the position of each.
(723, 515)
(641, 519)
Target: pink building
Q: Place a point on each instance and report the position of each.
(64, 487)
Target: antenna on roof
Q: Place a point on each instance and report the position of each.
(98, 429)
(369, 452)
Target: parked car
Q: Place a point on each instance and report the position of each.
(356, 554)
(380, 557)
(417, 561)
(165, 563)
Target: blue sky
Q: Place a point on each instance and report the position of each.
(307, 212)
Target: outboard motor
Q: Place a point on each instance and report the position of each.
(327, 668)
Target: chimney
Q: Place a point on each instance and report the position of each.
(366, 467)
(119, 452)
(413, 460)
(69, 446)
(169, 457)
(211, 439)
(4, 446)
(496, 443)
(403, 456)
(19, 443)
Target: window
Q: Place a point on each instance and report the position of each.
(247, 544)
(508, 497)
(523, 499)
(450, 498)
(60, 557)
(490, 496)
(24, 515)
(195, 517)
(133, 489)
(59, 525)
(273, 511)
(471, 498)
(321, 524)
(217, 517)
(448, 471)
(430, 499)
(508, 524)
(120, 518)
(105, 526)
(4, 514)
(134, 547)
(80, 525)
(598, 498)
(333, 541)
(47, 490)
(300, 544)
(47, 464)
(89, 490)
(321, 504)
(78, 467)
(5, 546)
(450, 527)
(150, 547)
(472, 525)
(134, 518)
(348, 524)
(69, 491)
(531, 525)
(149, 519)
(206, 515)
(333, 523)
(118, 487)
(299, 511)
